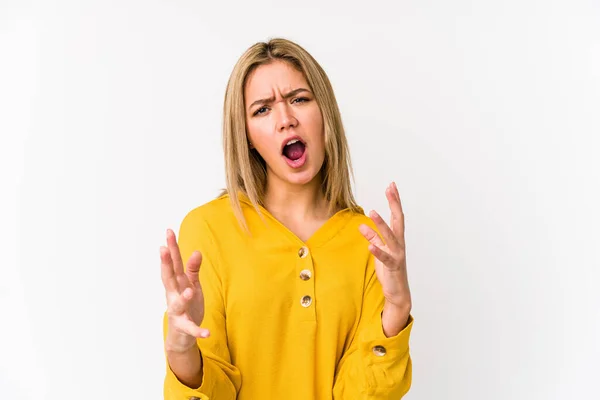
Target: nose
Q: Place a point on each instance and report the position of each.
(285, 118)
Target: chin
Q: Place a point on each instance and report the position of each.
(297, 177)
(300, 178)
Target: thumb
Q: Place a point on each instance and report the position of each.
(193, 268)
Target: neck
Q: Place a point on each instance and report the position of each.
(297, 202)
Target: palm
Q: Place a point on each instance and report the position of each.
(185, 300)
(390, 256)
(195, 311)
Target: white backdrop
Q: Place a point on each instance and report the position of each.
(486, 114)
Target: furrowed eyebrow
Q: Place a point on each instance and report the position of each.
(285, 96)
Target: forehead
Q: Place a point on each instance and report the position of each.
(277, 76)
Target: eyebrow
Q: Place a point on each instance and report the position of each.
(285, 96)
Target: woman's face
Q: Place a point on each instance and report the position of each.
(284, 123)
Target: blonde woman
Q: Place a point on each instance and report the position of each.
(281, 287)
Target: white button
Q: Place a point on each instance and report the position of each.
(305, 274)
(306, 301)
(379, 351)
(303, 252)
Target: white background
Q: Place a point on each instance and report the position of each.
(486, 114)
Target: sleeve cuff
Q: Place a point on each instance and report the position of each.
(378, 347)
(176, 389)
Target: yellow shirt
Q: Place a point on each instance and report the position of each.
(289, 319)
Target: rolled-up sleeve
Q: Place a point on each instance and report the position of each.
(374, 366)
(221, 379)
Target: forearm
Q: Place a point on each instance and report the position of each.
(394, 319)
(187, 366)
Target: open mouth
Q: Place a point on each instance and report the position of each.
(294, 149)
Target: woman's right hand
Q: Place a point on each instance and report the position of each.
(185, 301)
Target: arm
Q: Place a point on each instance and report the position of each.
(204, 371)
(374, 366)
(186, 365)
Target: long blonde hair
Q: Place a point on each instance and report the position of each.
(245, 170)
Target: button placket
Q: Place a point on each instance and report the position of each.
(305, 283)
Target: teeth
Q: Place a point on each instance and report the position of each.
(291, 142)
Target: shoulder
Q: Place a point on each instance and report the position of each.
(211, 213)
(358, 217)
(351, 229)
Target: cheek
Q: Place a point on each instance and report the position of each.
(261, 138)
(255, 132)
(317, 125)
(314, 119)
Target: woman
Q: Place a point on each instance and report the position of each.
(289, 290)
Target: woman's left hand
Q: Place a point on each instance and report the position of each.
(390, 263)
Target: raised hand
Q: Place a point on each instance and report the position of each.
(185, 301)
(390, 262)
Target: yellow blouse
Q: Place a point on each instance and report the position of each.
(289, 319)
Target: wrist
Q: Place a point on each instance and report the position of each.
(394, 318)
(187, 366)
(179, 343)
(181, 352)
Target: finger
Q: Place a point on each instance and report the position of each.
(388, 235)
(370, 234)
(397, 220)
(193, 268)
(397, 194)
(189, 327)
(383, 256)
(180, 303)
(166, 271)
(175, 254)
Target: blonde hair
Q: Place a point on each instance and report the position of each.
(245, 170)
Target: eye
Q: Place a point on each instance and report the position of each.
(260, 110)
(300, 100)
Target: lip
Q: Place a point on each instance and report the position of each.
(291, 138)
